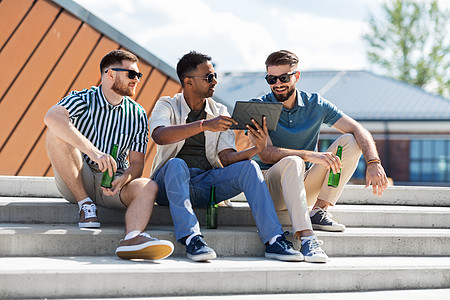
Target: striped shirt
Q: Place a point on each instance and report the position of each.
(125, 124)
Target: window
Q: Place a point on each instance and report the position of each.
(429, 160)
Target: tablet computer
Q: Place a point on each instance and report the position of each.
(244, 111)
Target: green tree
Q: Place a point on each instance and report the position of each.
(412, 43)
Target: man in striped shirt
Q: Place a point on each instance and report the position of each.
(82, 129)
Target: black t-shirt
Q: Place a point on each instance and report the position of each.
(193, 151)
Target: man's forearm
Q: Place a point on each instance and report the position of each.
(366, 143)
(272, 154)
(228, 157)
(175, 133)
(58, 122)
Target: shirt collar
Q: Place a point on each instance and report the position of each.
(185, 109)
(299, 103)
(104, 103)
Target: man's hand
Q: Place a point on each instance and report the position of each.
(258, 136)
(105, 162)
(220, 123)
(376, 176)
(117, 184)
(328, 159)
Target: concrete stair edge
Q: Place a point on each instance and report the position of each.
(68, 240)
(58, 210)
(29, 186)
(54, 277)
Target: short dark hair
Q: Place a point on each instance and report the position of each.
(282, 57)
(189, 63)
(116, 57)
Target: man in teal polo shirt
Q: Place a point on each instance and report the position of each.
(295, 172)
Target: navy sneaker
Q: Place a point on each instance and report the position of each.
(312, 252)
(198, 250)
(322, 220)
(282, 249)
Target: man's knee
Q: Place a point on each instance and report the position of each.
(294, 163)
(177, 165)
(143, 188)
(349, 141)
(250, 166)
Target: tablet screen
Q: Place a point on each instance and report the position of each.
(244, 111)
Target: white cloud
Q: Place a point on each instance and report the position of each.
(240, 34)
(324, 41)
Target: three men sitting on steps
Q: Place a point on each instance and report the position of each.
(196, 150)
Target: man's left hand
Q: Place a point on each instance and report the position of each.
(376, 176)
(117, 185)
(258, 136)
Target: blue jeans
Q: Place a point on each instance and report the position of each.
(182, 188)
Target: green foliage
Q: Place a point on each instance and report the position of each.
(412, 43)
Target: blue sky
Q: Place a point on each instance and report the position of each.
(239, 34)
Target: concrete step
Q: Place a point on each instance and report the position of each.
(61, 277)
(58, 210)
(367, 295)
(44, 187)
(68, 240)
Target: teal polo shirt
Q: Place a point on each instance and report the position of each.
(299, 127)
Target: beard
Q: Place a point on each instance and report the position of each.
(122, 89)
(282, 98)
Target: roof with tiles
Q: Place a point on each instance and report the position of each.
(49, 48)
(360, 94)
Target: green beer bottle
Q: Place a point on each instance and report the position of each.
(211, 211)
(106, 179)
(333, 179)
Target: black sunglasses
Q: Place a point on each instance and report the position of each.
(209, 77)
(131, 73)
(271, 79)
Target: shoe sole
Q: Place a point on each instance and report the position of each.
(89, 225)
(202, 257)
(315, 259)
(328, 228)
(284, 257)
(150, 250)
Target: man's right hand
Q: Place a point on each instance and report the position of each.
(328, 159)
(105, 162)
(220, 123)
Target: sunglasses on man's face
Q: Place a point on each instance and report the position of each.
(209, 77)
(272, 79)
(131, 73)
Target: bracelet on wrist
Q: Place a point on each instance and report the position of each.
(373, 161)
(201, 124)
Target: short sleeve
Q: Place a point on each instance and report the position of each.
(140, 141)
(161, 115)
(74, 103)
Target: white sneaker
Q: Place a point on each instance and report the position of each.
(312, 252)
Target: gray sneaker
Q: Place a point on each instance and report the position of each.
(322, 220)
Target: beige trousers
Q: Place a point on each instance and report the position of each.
(295, 189)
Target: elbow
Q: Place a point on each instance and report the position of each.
(48, 118)
(225, 163)
(265, 158)
(157, 137)
(160, 137)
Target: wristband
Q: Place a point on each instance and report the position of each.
(373, 161)
(201, 124)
